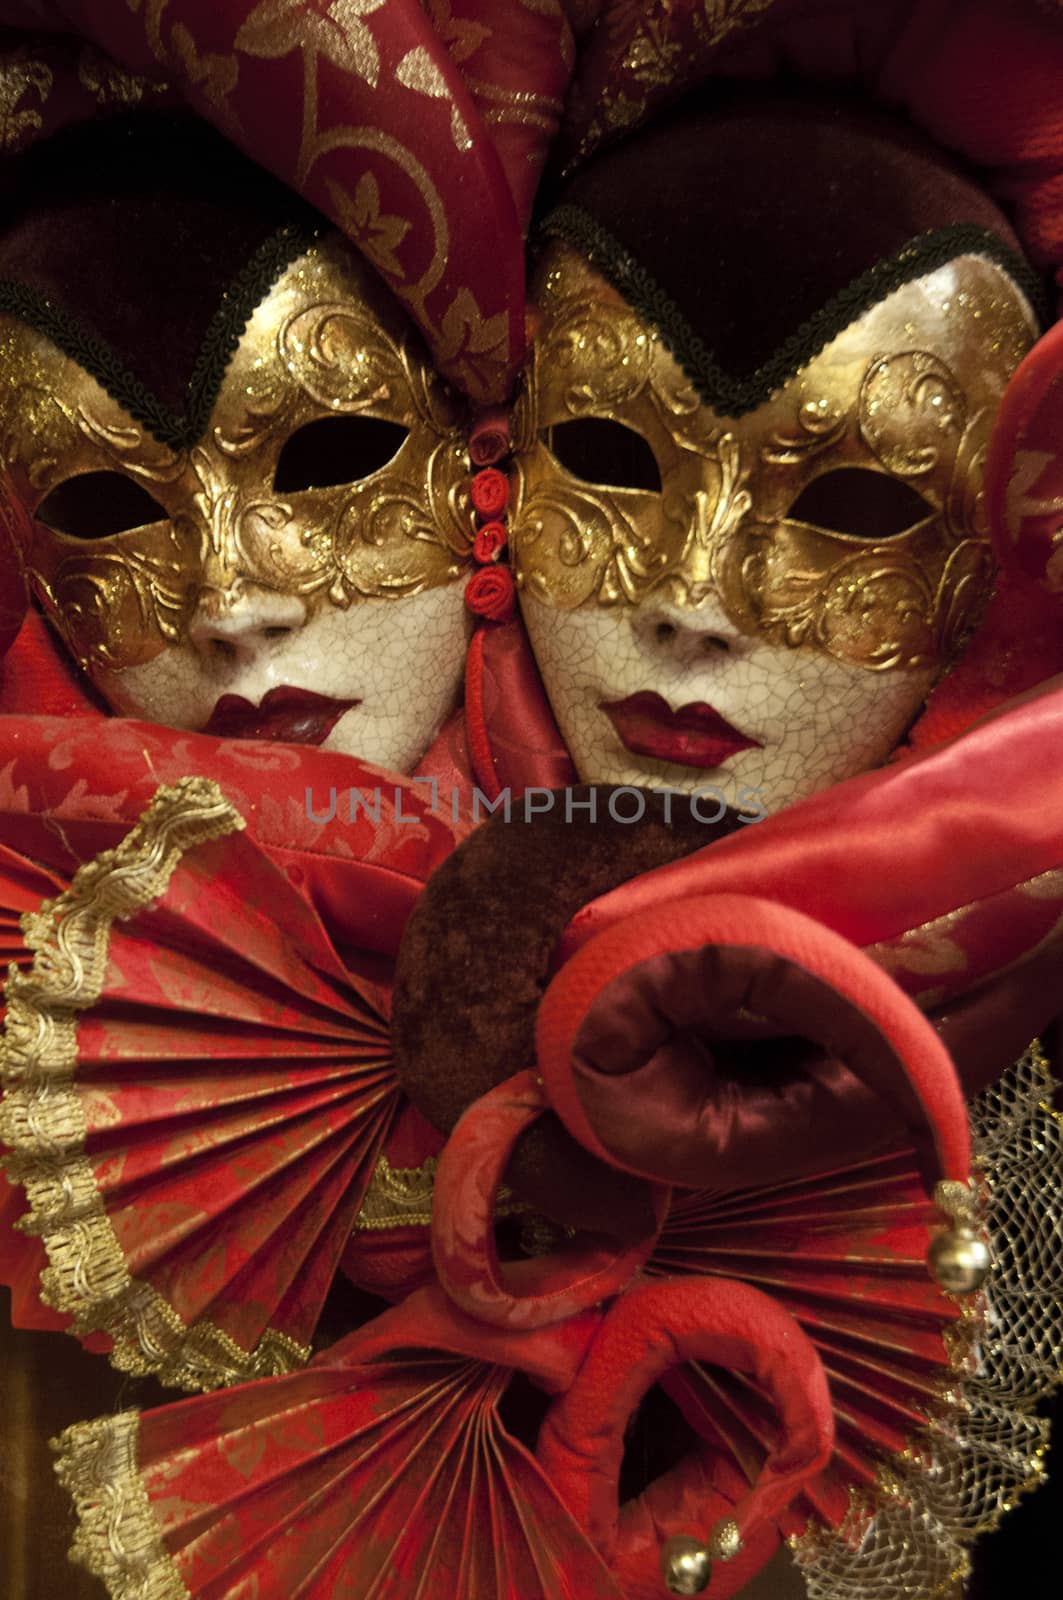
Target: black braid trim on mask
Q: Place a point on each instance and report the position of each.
(226, 329)
(732, 395)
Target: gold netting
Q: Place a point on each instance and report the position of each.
(985, 1445)
(41, 1116)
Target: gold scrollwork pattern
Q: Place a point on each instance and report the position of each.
(722, 522)
(325, 342)
(42, 1119)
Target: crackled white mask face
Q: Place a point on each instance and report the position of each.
(297, 574)
(757, 604)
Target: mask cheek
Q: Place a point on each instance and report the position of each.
(168, 689)
(577, 544)
(118, 602)
(905, 602)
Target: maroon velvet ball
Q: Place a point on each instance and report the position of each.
(475, 961)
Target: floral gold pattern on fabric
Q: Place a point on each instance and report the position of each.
(380, 235)
(417, 71)
(118, 1535)
(214, 77)
(648, 53)
(275, 28)
(110, 84)
(22, 82)
(876, 398)
(42, 1120)
(325, 342)
(462, 36)
(983, 1445)
(336, 31)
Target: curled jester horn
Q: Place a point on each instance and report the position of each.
(650, 1330)
(625, 1031)
(624, 1037)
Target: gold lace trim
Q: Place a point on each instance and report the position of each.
(118, 1536)
(41, 1115)
(984, 1446)
(401, 1197)
(398, 1197)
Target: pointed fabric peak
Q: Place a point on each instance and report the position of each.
(362, 107)
(980, 76)
(516, 60)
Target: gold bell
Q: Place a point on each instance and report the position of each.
(959, 1260)
(686, 1565)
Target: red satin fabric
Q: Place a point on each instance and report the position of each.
(972, 820)
(514, 741)
(361, 873)
(625, 1032)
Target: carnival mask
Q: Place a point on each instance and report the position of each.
(294, 574)
(762, 601)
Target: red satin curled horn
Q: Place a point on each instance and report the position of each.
(620, 1013)
(648, 1331)
(624, 1036)
(463, 1245)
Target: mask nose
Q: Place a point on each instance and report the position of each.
(679, 636)
(243, 622)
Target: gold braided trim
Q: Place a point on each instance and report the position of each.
(118, 1536)
(983, 1447)
(398, 1197)
(401, 1197)
(42, 1118)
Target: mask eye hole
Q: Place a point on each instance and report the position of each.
(336, 450)
(97, 505)
(604, 452)
(865, 504)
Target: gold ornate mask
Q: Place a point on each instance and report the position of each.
(328, 485)
(903, 400)
(838, 527)
(246, 504)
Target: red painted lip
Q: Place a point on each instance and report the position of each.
(291, 716)
(693, 736)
